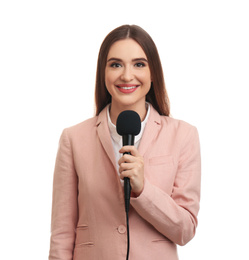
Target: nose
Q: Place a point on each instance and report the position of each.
(127, 74)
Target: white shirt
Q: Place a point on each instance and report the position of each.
(117, 139)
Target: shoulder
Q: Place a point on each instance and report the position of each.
(80, 130)
(177, 130)
(183, 133)
(83, 126)
(168, 123)
(169, 127)
(176, 124)
(87, 129)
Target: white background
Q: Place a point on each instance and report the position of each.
(48, 54)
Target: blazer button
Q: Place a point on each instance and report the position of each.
(121, 229)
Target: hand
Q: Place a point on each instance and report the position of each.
(132, 166)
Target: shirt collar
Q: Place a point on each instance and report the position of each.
(116, 137)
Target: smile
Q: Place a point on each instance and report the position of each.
(127, 88)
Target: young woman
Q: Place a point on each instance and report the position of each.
(88, 213)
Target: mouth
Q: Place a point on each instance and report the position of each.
(127, 88)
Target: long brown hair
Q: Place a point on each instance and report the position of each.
(157, 95)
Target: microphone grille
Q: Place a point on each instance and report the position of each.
(128, 122)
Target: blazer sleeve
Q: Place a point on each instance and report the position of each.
(64, 204)
(175, 216)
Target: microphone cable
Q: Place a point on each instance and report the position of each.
(127, 193)
(128, 235)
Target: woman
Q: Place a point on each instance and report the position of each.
(88, 215)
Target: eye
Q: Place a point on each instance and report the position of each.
(115, 65)
(140, 64)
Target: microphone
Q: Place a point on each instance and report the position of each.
(128, 126)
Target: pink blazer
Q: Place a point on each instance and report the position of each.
(88, 212)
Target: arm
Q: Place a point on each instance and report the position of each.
(64, 206)
(175, 216)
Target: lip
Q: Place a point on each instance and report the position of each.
(127, 88)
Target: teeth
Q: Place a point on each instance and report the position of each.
(128, 87)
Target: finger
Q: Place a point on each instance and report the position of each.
(127, 173)
(126, 158)
(126, 166)
(129, 149)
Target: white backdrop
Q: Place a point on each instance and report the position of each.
(48, 54)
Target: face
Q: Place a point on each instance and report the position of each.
(127, 75)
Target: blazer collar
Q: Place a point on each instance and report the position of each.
(105, 136)
(151, 130)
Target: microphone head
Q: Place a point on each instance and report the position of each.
(128, 123)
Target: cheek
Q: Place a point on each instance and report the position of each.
(108, 86)
(146, 78)
(110, 77)
(147, 83)
(145, 75)
(109, 81)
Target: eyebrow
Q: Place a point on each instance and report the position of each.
(137, 59)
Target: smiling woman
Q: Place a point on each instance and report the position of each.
(88, 216)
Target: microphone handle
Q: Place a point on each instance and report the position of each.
(127, 140)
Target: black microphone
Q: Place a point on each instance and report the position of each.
(128, 126)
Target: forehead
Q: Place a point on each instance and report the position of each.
(126, 49)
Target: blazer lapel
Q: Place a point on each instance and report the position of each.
(151, 130)
(105, 137)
